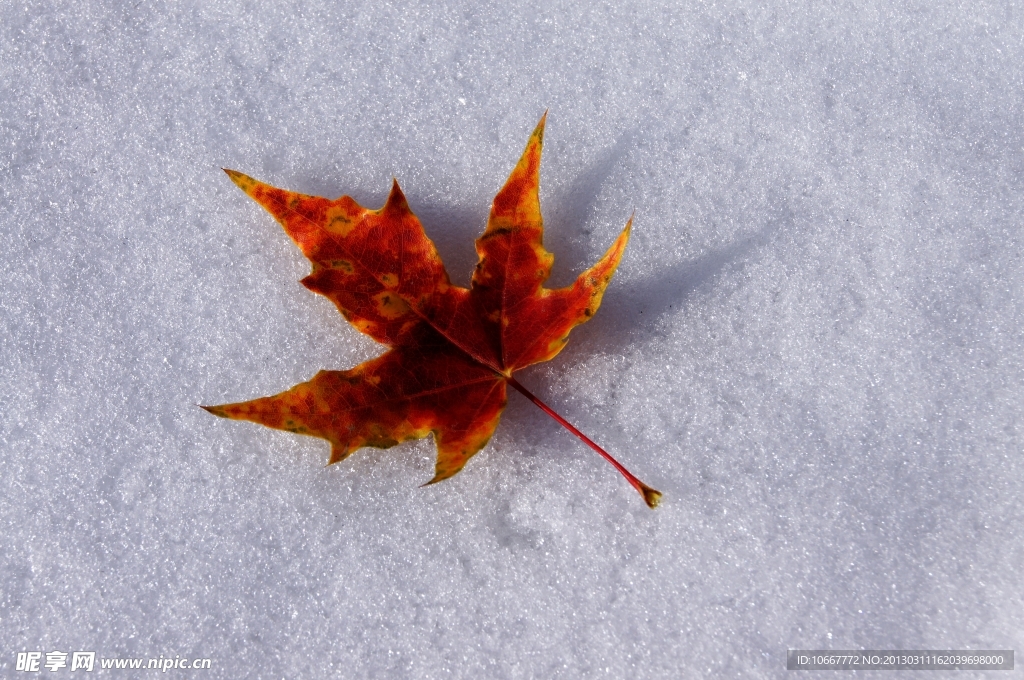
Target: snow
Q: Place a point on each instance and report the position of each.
(814, 346)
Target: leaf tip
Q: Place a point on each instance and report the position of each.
(215, 410)
(396, 199)
(339, 452)
(444, 472)
(241, 180)
(538, 132)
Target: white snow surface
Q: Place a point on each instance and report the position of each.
(814, 345)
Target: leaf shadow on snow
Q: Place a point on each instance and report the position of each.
(568, 213)
(632, 313)
(629, 314)
(632, 310)
(454, 231)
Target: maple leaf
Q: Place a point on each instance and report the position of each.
(452, 350)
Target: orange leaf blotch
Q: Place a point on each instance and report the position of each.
(453, 350)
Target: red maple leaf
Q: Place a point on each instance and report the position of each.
(452, 350)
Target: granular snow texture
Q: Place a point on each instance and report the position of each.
(814, 345)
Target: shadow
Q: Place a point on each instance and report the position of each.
(631, 310)
(567, 213)
(454, 231)
(629, 313)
